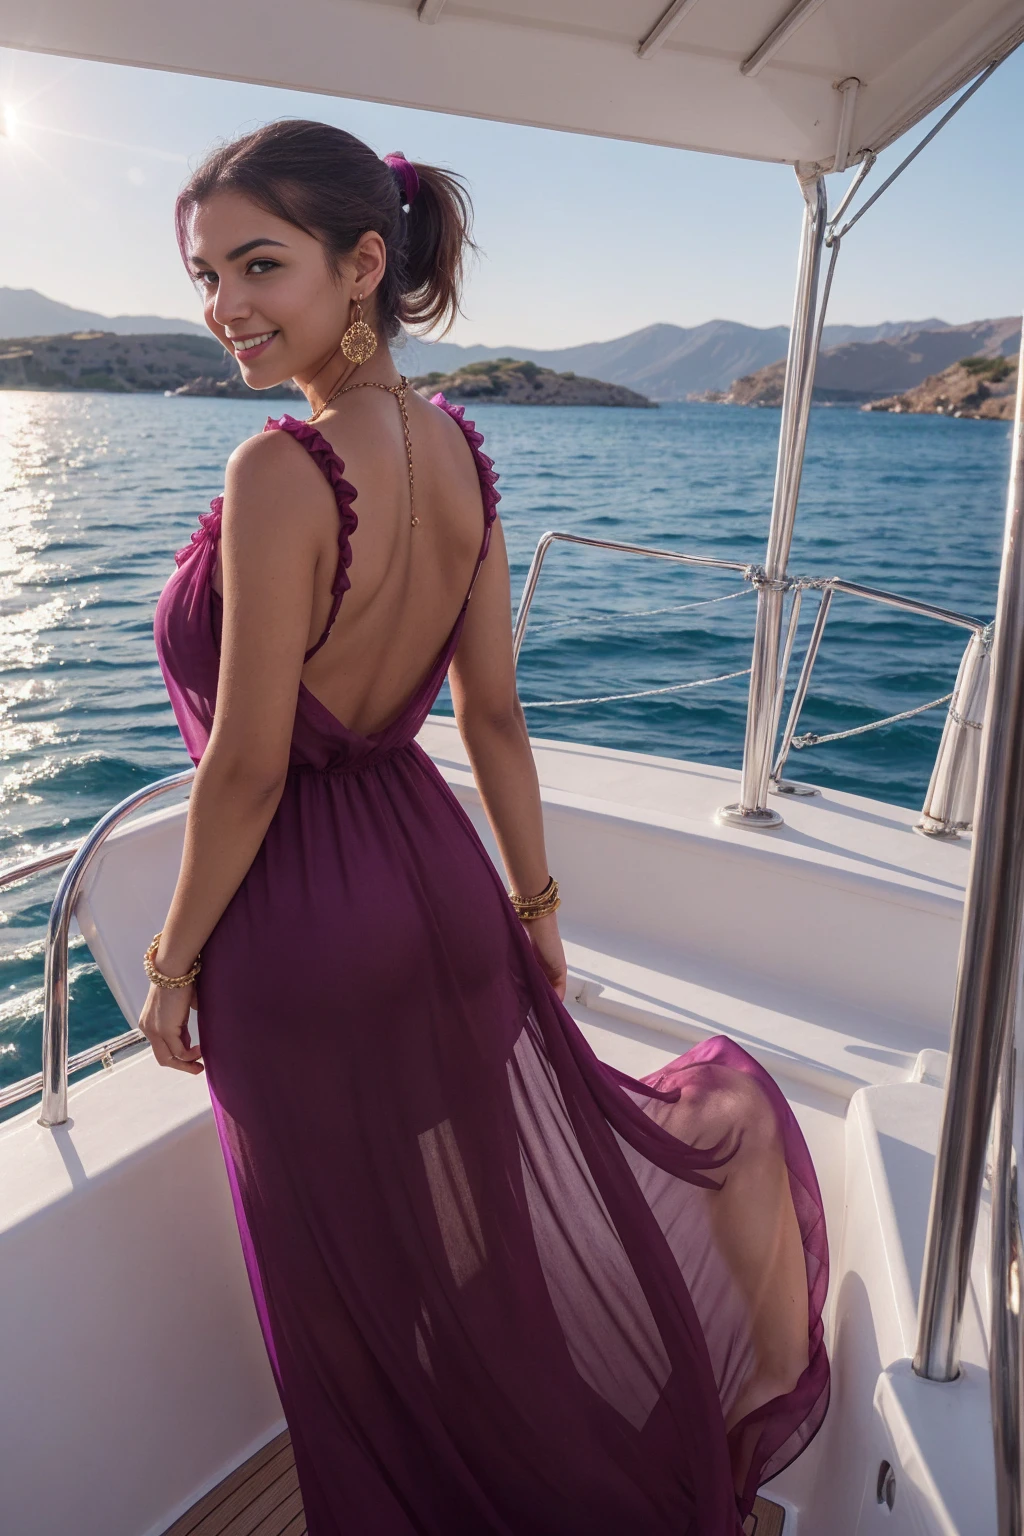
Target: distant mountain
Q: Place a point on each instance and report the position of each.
(24, 312)
(666, 362)
(891, 365)
(864, 371)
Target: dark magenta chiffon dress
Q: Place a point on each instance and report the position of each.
(492, 1272)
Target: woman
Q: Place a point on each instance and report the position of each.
(506, 1290)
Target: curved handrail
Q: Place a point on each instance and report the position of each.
(545, 542)
(54, 1107)
(28, 867)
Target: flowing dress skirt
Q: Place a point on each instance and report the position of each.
(504, 1292)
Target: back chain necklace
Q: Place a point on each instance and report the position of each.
(399, 392)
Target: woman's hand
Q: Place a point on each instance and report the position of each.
(164, 1022)
(547, 946)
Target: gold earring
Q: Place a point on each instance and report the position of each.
(359, 342)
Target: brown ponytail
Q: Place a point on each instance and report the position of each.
(439, 222)
(332, 185)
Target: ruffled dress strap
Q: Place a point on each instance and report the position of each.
(333, 468)
(485, 473)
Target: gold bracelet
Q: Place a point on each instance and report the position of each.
(528, 908)
(530, 917)
(527, 903)
(149, 966)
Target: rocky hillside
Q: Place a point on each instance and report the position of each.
(125, 365)
(511, 381)
(981, 387)
(859, 371)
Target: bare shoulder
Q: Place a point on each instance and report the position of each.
(272, 477)
(448, 440)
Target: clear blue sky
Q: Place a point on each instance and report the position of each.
(583, 238)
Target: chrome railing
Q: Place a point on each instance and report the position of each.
(1006, 1377)
(546, 540)
(24, 871)
(829, 587)
(796, 586)
(52, 1081)
(751, 809)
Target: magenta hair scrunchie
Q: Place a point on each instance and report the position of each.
(407, 177)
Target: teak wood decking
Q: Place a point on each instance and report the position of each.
(261, 1498)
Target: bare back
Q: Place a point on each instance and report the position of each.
(407, 584)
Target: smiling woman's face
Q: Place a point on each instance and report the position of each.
(269, 295)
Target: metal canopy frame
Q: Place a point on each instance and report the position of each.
(986, 1003)
(752, 810)
(810, 305)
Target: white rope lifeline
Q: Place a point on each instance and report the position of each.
(811, 740)
(641, 613)
(645, 693)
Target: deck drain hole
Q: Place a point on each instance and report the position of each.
(885, 1489)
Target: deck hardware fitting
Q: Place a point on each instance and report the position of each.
(779, 37)
(663, 28)
(863, 171)
(848, 89)
(885, 1488)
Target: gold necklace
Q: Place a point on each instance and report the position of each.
(398, 390)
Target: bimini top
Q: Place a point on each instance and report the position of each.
(764, 79)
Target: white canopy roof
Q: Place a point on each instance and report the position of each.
(756, 78)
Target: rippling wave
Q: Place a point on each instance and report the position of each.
(99, 490)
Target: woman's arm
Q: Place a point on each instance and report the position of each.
(493, 727)
(275, 503)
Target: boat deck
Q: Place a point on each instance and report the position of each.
(261, 1498)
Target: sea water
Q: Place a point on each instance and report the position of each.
(99, 490)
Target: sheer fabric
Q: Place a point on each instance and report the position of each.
(505, 1288)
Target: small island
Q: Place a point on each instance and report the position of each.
(511, 381)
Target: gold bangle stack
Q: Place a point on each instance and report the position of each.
(149, 965)
(529, 908)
